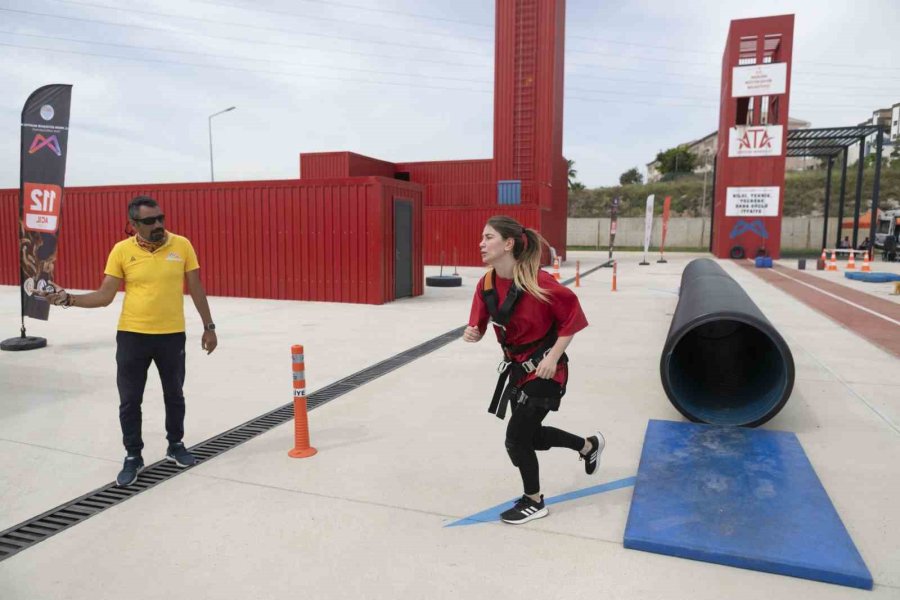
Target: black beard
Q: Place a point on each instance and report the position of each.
(157, 235)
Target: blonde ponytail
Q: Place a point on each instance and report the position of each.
(527, 248)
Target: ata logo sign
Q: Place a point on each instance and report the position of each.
(755, 139)
(747, 142)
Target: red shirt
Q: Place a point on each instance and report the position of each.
(531, 318)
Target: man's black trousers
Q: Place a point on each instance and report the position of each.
(134, 353)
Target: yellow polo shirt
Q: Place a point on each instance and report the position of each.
(154, 283)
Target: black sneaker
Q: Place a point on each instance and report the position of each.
(129, 473)
(525, 510)
(179, 455)
(592, 460)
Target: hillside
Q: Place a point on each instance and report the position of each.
(804, 194)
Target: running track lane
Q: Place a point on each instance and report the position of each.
(881, 328)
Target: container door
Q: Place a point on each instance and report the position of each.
(403, 211)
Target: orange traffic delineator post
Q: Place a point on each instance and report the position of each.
(866, 267)
(832, 266)
(615, 265)
(577, 273)
(302, 449)
(556, 268)
(851, 262)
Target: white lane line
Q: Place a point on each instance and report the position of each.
(844, 300)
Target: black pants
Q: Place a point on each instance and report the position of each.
(525, 433)
(134, 353)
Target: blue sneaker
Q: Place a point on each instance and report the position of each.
(129, 473)
(179, 455)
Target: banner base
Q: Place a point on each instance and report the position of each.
(662, 260)
(643, 263)
(28, 342)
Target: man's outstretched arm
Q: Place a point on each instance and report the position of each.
(102, 297)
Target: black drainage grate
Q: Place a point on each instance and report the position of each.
(37, 529)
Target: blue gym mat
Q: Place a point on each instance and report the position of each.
(746, 498)
(872, 277)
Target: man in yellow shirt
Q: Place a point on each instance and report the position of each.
(153, 264)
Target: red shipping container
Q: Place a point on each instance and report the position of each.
(327, 165)
(328, 240)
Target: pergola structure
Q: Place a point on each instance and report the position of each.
(828, 143)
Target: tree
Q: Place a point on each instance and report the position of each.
(572, 173)
(631, 176)
(676, 160)
(576, 186)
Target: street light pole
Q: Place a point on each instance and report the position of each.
(212, 175)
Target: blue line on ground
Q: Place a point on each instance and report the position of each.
(493, 513)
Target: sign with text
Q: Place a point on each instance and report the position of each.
(41, 207)
(759, 80)
(43, 152)
(752, 201)
(747, 142)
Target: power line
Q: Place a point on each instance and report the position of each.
(383, 10)
(232, 57)
(649, 58)
(711, 65)
(332, 67)
(238, 39)
(274, 12)
(613, 93)
(245, 40)
(662, 82)
(632, 97)
(244, 70)
(712, 53)
(608, 41)
(265, 28)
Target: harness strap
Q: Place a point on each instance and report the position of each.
(511, 375)
(500, 314)
(509, 382)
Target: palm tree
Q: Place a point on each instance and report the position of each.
(572, 173)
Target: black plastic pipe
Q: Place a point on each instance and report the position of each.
(723, 362)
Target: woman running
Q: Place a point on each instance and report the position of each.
(535, 319)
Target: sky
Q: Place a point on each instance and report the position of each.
(399, 80)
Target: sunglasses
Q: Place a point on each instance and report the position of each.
(151, 220)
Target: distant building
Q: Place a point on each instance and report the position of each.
(888, 119)
(705, 150)
(895, 123)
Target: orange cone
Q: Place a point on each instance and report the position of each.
(832, 266)
(556, 268)
(302, 449)
(577, 273)
(851, 263)
(615, 265)
(866, 267)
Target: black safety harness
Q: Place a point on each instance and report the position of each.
(510, 370)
